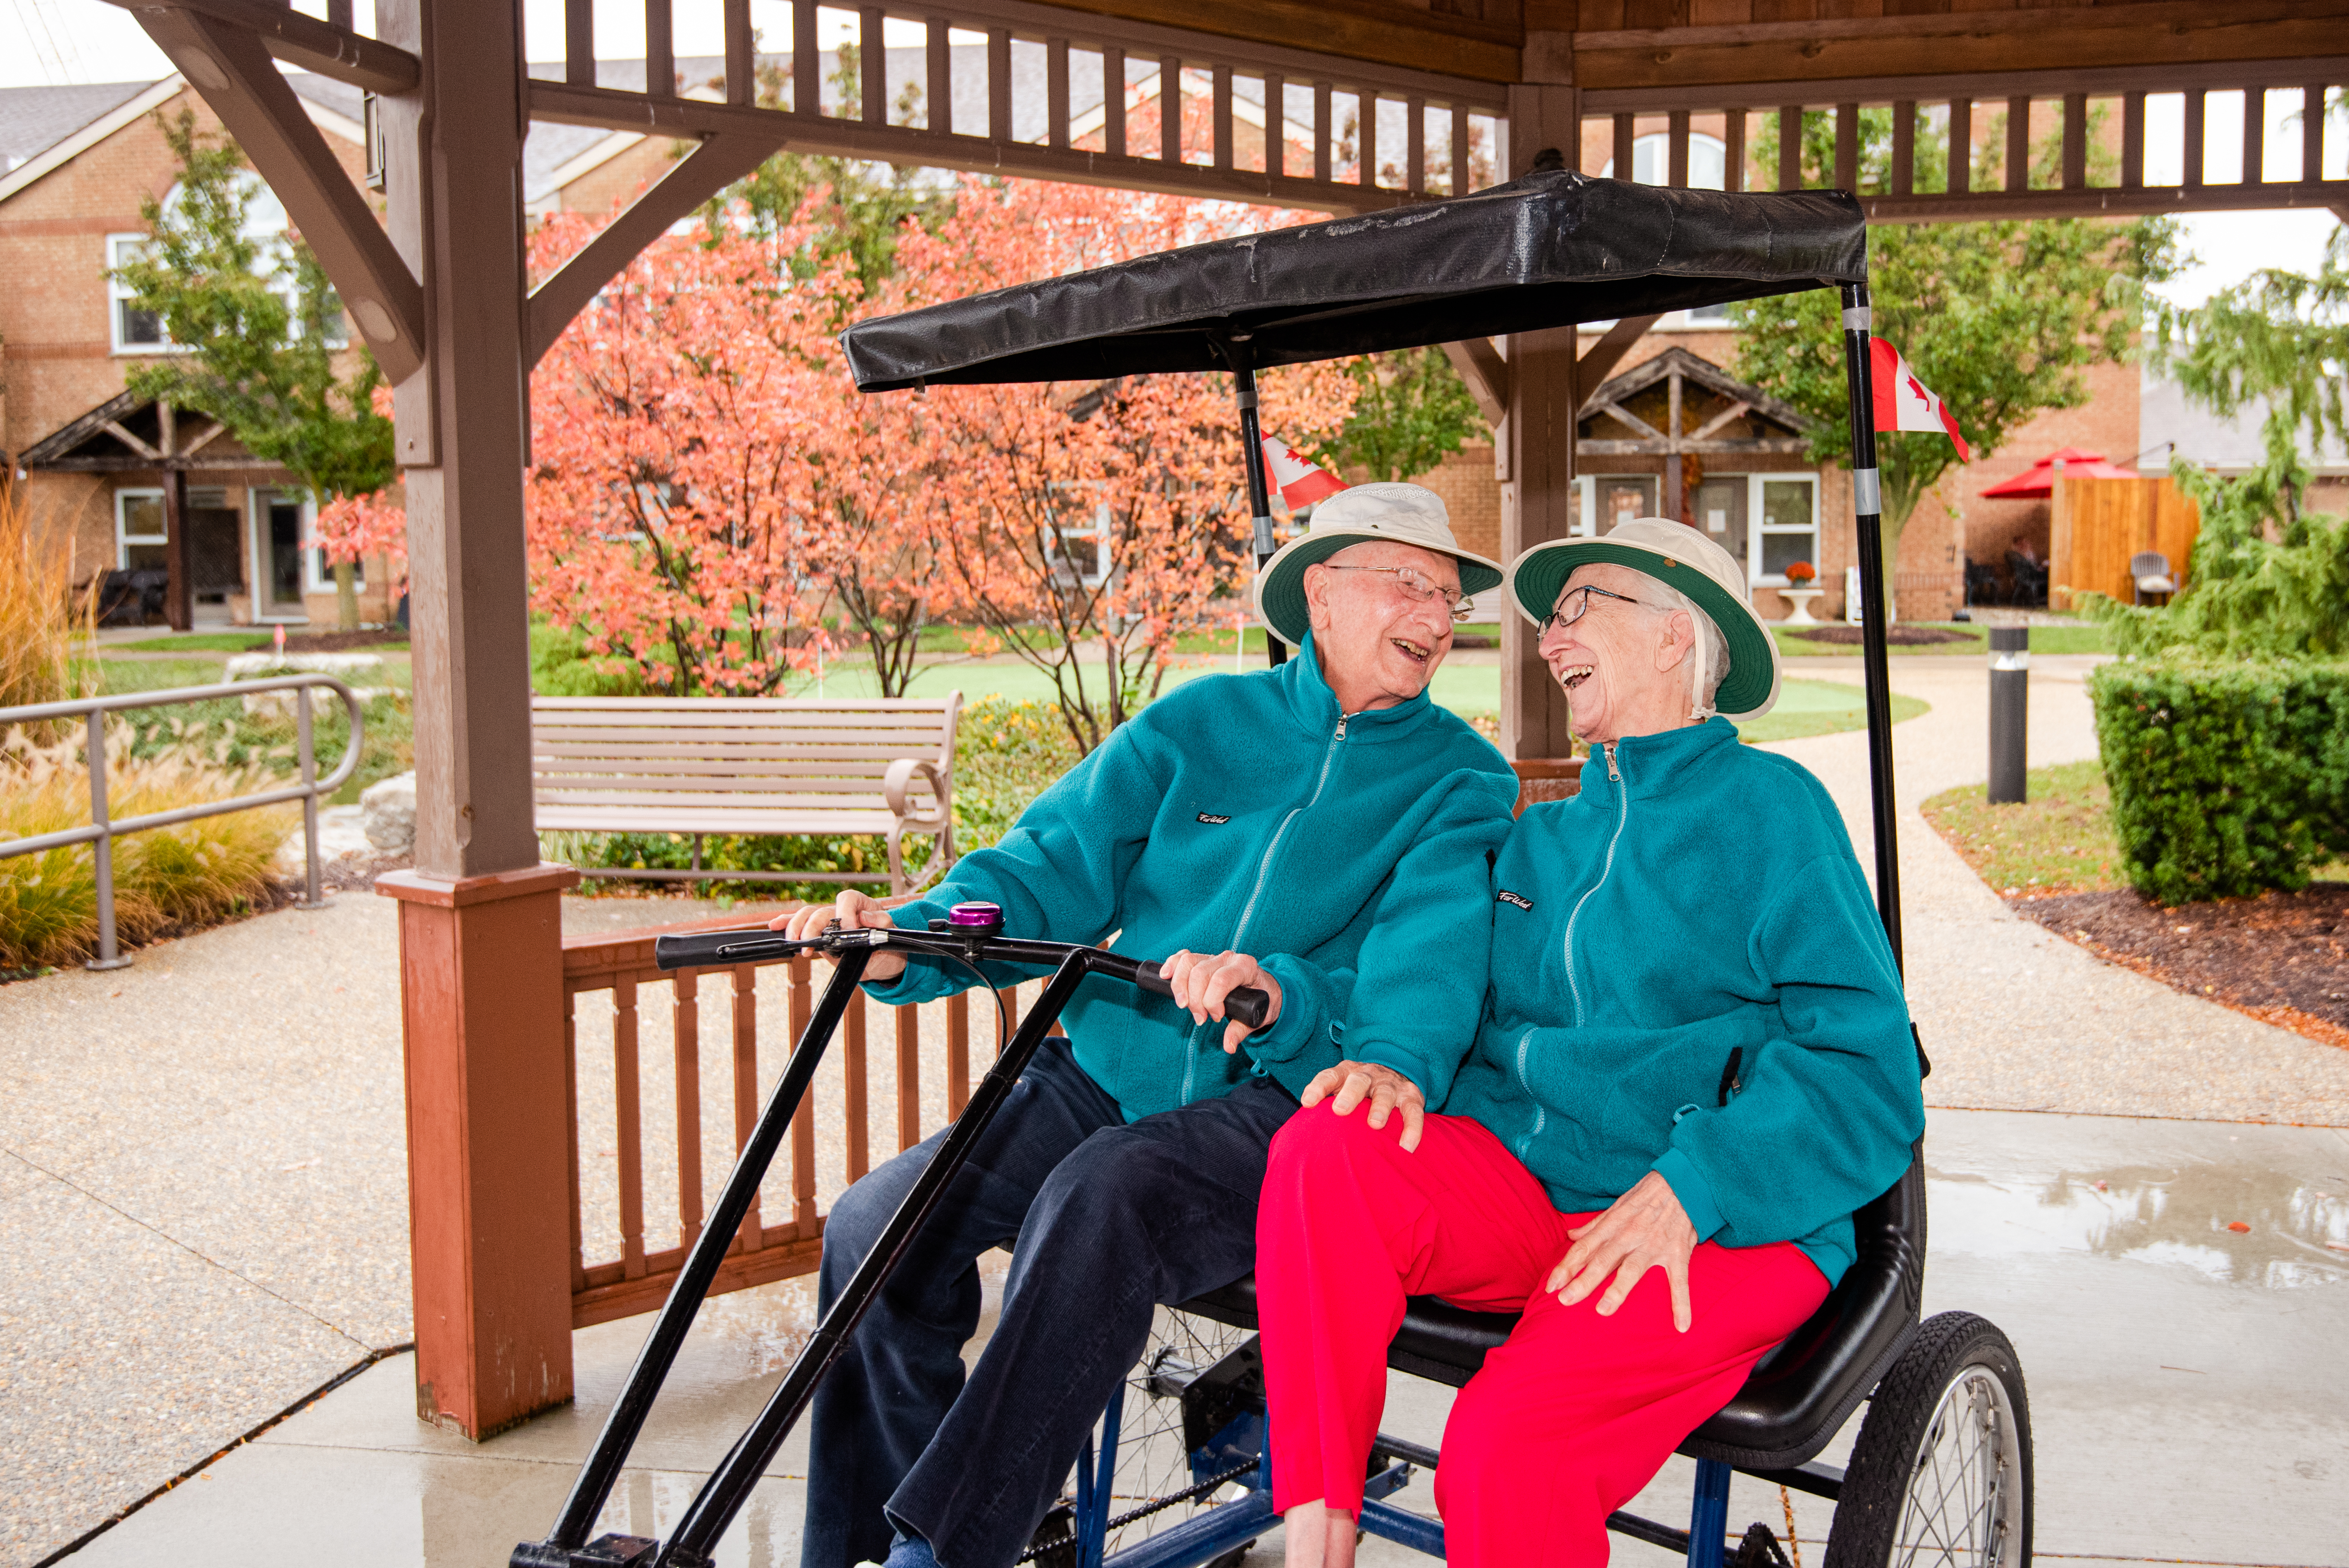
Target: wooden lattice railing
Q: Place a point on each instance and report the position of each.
(622, 1107)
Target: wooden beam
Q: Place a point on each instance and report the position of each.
(688, 183)
(1735, 411)
(1624, 417)
(1485, 374)
(1375, 30)
(2097, 81)
(115, 428)
(303, 40)
(1603, 355)
(227, 65)
(564, 104)
(2101, 202)
(1969, 41)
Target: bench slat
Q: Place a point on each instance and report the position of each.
(924, 743)
(759, 703)
(674, 820)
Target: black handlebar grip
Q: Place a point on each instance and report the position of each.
(703, 949)
(1244, 1003)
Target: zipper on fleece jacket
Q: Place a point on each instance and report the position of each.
(1247, 911)
(1574, 986)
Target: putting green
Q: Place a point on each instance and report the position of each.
(1805, 708)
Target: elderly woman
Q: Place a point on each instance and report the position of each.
(1694, 1063)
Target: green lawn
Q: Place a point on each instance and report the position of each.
(2079, 639)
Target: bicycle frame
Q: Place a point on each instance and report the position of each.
(721, 1497)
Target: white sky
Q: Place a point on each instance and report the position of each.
(59, 41)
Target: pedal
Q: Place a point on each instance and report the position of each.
(1215, 1399)
(1760, 1549)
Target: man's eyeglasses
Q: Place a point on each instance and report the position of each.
(1574, 604)
(1419, 588)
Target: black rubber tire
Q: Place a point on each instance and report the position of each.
(1892, 1442)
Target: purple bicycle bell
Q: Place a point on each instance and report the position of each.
(975, 918)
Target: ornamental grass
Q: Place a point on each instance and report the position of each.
(165, 879)
(41, 615)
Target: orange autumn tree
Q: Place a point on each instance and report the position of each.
(1086, 528)
(674, 512)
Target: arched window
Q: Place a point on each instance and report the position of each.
(139, 331)
(1652, 161)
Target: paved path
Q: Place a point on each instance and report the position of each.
(203, 1200)
(2013, 1016)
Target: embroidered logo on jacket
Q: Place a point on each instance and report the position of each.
(1213, 821)
(1505, 896)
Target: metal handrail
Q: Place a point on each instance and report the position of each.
(102, 830)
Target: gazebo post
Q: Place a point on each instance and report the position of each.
(1537, 447)
(480, 918)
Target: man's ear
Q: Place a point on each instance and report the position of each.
(1317, 598)
(1679, 636)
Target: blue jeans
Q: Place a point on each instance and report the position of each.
(1105, 1220)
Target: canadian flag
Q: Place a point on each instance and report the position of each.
(1905, 402)
(1300, 482)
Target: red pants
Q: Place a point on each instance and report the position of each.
(1571, 1417)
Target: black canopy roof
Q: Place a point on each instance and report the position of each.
(1550, 250)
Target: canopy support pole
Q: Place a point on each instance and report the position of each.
(1866, 495)
(1260, 492)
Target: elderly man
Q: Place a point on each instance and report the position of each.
(1324, 814)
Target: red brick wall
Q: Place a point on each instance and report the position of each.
(54, 320)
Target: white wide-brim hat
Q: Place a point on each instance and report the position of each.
(1397, 513)
(1673, 553)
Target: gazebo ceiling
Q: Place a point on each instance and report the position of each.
(1599, 45)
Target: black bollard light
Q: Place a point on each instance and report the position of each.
(2009, 706)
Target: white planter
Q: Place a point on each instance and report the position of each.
(1801, 599)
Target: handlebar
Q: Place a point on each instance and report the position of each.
(757, 944)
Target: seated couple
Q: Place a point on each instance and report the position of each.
(1660, 1020)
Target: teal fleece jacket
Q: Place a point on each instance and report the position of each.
(1689, 977)
(1244, 812)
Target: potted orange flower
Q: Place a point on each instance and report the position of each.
(1800, 575)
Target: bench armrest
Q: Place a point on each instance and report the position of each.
(901, 776)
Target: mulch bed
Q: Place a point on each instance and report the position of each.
(1898, 636)
(341, 642)
(2282, 958)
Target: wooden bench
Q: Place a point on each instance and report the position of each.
(695, 765)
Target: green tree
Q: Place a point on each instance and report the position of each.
(864, 206)
(2266, 576)
(1411, 411)
(261, 333)
(2000, 319)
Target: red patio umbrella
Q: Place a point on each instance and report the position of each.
(2038, 481)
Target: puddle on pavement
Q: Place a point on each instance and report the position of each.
(767, 1323)
(2294, 1231)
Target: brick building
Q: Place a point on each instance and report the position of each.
(105, 476)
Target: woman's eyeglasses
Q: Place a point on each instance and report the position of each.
(1574, 604)
(1419, 588)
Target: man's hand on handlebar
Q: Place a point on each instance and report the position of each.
(1201, 981)
(851, 910)
(1388, 1091)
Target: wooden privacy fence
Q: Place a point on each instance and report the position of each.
(2096, 526)
(647, 1116)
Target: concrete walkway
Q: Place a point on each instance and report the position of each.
(202, 1199)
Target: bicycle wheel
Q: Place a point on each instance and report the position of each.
(1940, 1477)
(1153, 1484)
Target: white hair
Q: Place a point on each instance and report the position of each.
(1708, 662)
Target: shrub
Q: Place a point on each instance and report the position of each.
(188, 874)
(39, 616)
(2229, 778)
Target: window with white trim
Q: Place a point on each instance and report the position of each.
(135, 331)
(1082, 549)
(141, 536)
(1782, 514)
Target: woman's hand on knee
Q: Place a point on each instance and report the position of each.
(1200, 982)
(1644, 1229)
(1348, 1084)
(852, 910)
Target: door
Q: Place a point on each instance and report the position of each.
(1721, 514)
(215, 567)
(1622, 497)
(277, 552)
